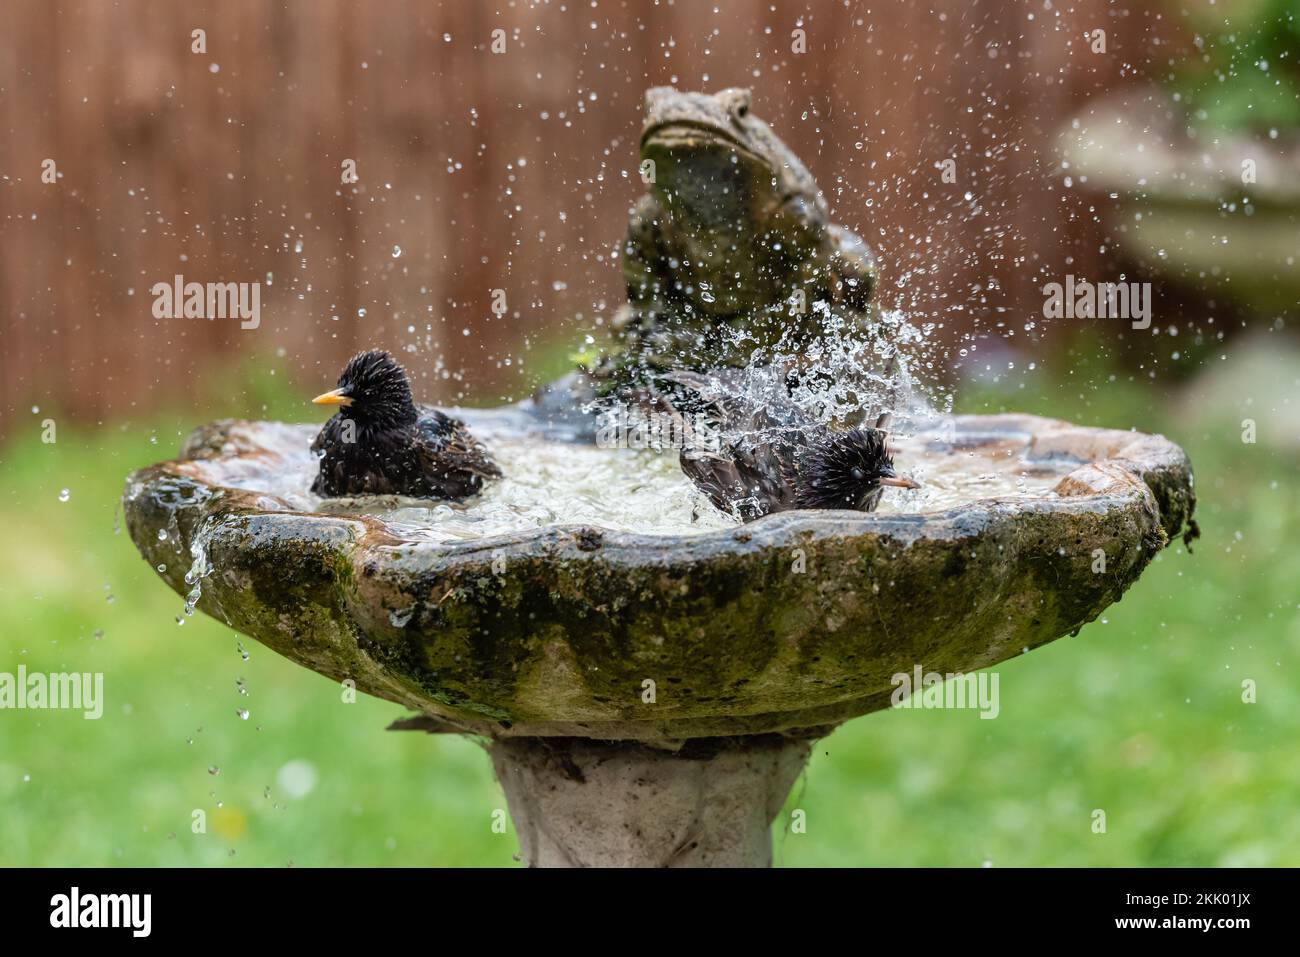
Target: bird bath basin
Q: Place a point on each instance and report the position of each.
(650, 696)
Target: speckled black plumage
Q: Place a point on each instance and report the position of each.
(396, 447)
(843, 471)
(777, 459)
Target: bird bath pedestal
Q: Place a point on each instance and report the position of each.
(650, 699)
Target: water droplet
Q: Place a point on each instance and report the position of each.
(214, 770)
(162, 534)
(243, 714)
(98, 634)
(162, 568)
(397, 251)
(64, 495)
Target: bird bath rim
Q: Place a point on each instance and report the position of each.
(559, 638)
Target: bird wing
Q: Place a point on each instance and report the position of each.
(750, 483)
(750, 474)
(449, 456)
(741, 404)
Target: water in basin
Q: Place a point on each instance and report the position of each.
(553, 482)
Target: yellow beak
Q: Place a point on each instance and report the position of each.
(334, 397)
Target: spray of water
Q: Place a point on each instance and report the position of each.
(200, 566)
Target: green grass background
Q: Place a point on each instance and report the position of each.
(1140, 715)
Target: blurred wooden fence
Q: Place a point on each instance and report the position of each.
(491, 171)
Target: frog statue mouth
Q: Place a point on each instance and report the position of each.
(689, 134)
(711, 180)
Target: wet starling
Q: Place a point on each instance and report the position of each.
(381, 443)
(773, 457)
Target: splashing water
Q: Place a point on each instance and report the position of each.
(200, 568)
(847, 373)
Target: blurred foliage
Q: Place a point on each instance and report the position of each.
(1140, 715)
(1247, 77)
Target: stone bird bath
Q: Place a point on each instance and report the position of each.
(650, 699)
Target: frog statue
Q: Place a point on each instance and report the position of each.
(732, 245)
(731, 250)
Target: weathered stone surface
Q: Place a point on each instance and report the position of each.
(560, 642)
(580, 803)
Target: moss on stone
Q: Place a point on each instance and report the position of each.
(735, 637)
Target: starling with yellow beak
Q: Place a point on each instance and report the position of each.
(380, 442)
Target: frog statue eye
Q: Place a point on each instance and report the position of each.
(737, 102)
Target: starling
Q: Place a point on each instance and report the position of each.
(773, 457)
(381, 443)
